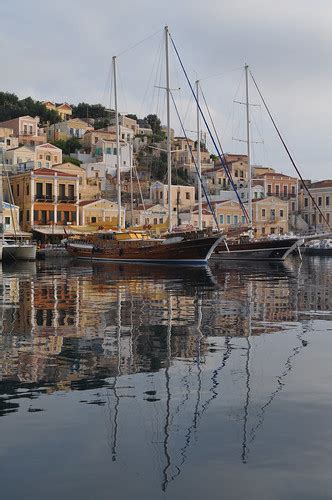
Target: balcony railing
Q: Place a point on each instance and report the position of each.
(67, 199)
(53, 199)
(45, 198)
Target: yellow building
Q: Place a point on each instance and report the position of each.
(45, 197)
(89, 188)
(47, 155)
(229, 214)
(270, 216)
(64, 110)
(182, 196)
(99, 212)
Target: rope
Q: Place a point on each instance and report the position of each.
(138, 43)
(219, 151)
(288, 152)
(194, 161)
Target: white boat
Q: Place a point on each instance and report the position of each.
(12, 250)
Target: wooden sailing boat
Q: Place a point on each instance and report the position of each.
(250, 248)
(129, 246)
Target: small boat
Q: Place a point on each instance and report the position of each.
(316, 247)
(185, 249)
(277, 249)
(13, 250)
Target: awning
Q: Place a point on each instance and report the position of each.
(54, 231)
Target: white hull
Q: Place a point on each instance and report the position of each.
(19, 252)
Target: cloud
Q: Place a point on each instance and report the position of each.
(63, 50)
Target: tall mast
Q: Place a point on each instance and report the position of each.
(169, 161)
(131, 182)
(118, 175)
(198, 160)
(248, 147)
(2, 226)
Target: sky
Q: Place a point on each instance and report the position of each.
(62, 51)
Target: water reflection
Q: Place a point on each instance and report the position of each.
(193, 334)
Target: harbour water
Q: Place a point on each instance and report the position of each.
(124, 381)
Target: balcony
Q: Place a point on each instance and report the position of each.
(45, 198)
(67, 199)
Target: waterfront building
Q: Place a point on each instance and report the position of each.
(149, 215)
(99, 212)
(280, 185)
(270, 216)
(17, 156)
(229, 214)
(92, 137)
(45, 197)
(190, 218)
(321, 192)
(89, 188)
(181, 196)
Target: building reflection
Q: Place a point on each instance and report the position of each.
(60, 325)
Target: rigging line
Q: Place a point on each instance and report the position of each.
(219, 152)
(288, 152)
(220, 74)
(154, 69)
(196, 167)
(138, 43)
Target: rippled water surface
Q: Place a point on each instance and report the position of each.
(148, 382)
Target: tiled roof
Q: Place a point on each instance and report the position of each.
(51, 172)
(321, 184)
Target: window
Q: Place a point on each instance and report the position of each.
(27, 189)
(281, 213)
(285, 190)
(93, 220)
(241, 173)
(51, 215)
(73, 217)
(306, 218)
(293, 206)
(48, 158)
(263, 231)
(320, 218)
(36, 215)
(306, 202)
(281, 230)
(39, 164)
(155, 220)
(228, 219)
(236, 219)
(236, 173)
(71, 131)
(243, 219)
(293, 190)
(272, 230)
(43, 216)
(328, 218)
(55, 158)
(161, 220)
(31, 129)
(273, 214)
(263, 213)
(7, 221)
(66, 216)
(269, 189)
(39, 189)
(160, 195)
(277, 190)
(319, 201)
(327, 201)
(221, 218)
(40, 157)
(47, 165)
(18, 190)
(108, 151)
(28, 215)
(187, 196)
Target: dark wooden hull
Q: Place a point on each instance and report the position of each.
(277, 250)
(326, 252)
(185, 252)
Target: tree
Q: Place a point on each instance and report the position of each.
(69, 159)
(154, 123)
(68, 146)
